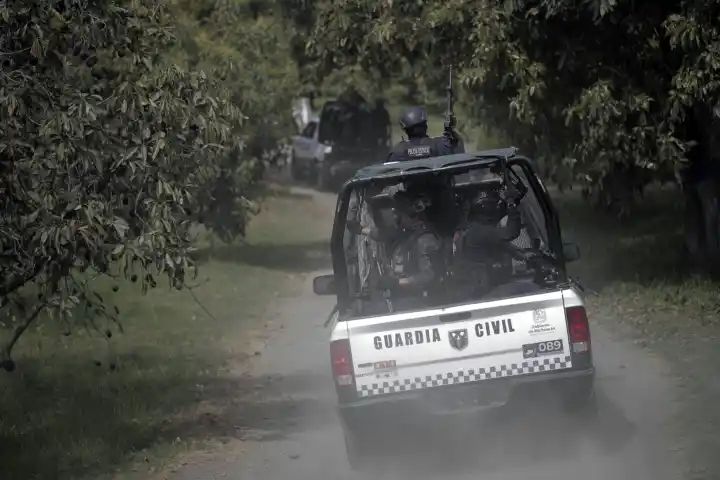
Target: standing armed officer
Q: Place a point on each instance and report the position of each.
(418, 144)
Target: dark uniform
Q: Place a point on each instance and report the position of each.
(483, 230)
(422, 147)
(413, 260)
(410, 243)
(401, 267)
(483, 248)
(489, 234)
(419, 144)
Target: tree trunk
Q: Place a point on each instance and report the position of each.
(694, 234)
(701, 185)
(616, 192)
(702, 223)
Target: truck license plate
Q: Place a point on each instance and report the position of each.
(549, 347)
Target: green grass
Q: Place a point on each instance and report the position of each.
(62, 415)
(638, 266)
(640, 287)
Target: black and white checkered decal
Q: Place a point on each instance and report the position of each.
(465, 376)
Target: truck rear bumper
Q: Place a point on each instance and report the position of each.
(474, 398)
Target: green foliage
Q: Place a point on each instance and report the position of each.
(109, 153)
(84, 407)
(245, 46)
(602, 82)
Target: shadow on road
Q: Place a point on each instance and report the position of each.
(304, 257)
(260, 408)
(101, 422)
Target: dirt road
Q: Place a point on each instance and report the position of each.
(291, 431)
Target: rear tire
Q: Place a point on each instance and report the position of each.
(356, 447)
(581, 400)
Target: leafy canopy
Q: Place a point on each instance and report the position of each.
(599, 83)
(108, 154)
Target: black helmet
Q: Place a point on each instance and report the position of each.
(412, 117)
(412, 202)
(488, 205)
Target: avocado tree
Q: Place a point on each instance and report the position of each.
(243, 46)
(619, 91)
(107, 155)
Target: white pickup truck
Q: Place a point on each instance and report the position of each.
(492, 329)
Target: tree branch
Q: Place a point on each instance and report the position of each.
(21, 329)
(201, 305)
(15, 52)
(17, 282)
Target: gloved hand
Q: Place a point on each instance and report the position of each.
(449, 123)
(512, 196)
(388, 282)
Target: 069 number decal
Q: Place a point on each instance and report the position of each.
(539, 349)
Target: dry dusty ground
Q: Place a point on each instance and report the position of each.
(282, 424)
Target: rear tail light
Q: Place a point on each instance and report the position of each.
(579, 329)
(342, 367)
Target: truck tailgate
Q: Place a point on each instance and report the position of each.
(459, 344)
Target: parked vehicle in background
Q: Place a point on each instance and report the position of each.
(302, 112)
(334, 145)
(307, 152)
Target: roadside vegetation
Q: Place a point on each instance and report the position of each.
(639, 285)
(133, 137)
(612, 97)
(127, 128)
(123, 125)
(612, 94)
(84, 405)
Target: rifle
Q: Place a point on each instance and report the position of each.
(450, 117)
(450, 114)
